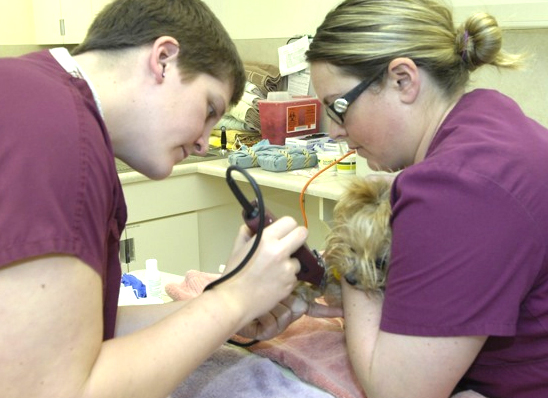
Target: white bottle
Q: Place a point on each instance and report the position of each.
(153, 278)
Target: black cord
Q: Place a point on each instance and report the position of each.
(294, 38)
(250, 211)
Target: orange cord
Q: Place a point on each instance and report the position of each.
(301, 197)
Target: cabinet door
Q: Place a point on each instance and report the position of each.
(47, 21)
(77, 16)
(173, 241)
(61, 21)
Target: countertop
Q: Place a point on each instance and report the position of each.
(327, 185)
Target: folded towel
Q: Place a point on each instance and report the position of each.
(254, 90)
(233, 372)
(314, 349)
(246, 113)
(286, 158)
(231, 123)
(265, 76)
(273, 157)
(245, 157)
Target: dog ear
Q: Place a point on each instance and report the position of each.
(360, 235)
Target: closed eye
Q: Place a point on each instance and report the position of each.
(211, 112)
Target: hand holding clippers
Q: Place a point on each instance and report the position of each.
(257, 218)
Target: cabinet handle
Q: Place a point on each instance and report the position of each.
(62, 26)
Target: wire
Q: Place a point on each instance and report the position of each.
(251, 210)
(301, 196)
(297, 37)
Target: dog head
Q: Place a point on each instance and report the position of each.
(358, 245)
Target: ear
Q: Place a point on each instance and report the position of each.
(404, 73)
(163, 57)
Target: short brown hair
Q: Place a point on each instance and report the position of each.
(205, 46)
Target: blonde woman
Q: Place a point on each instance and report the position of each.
(147, 85)
(466, 300)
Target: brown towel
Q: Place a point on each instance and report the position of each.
(265, 76)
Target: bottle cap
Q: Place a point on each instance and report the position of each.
(151, 264)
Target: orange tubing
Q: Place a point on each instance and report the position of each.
(301, 197)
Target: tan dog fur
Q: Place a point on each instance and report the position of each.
(358, 245)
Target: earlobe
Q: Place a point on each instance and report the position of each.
(163, 57)
(405, 73)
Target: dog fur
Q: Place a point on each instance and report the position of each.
(358, 245)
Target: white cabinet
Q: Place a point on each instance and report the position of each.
(16, 23)
(61, 21)
(173, 241)
(163, 223)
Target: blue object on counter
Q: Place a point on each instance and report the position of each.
(273, 157)
(139, 288)
(247, 157)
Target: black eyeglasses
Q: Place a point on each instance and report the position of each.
(338, 108)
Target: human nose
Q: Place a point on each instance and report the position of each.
(201, 146)
(336, 131)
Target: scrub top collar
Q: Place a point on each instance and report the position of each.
(63, 57)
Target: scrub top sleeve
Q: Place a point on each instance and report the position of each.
(461, 254)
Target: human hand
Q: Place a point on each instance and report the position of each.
(284, 314)
(270, 274)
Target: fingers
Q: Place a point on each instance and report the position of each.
(268, 325)
(270, 271)
(284, 314)
(275, 322)
(318, 310)
(244, 235)
(288, 232)
(299, 307)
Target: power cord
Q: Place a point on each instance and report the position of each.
(301, 196)
(252, 209)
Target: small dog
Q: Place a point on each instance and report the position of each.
(358, 246)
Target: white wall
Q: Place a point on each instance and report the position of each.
(265, 19)
(529, 87)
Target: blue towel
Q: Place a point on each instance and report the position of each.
(286, 158)
(273, 157)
